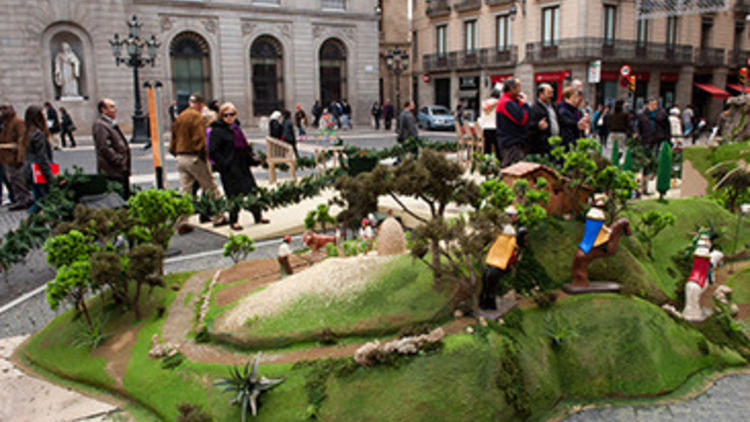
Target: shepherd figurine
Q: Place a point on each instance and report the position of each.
(284, 253)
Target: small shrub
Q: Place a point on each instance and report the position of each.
(191, 413)
(650, 225)
(558, 331)
(545, 300)
(238, 247)
(327, 336)
(172, 361)
(332, 250)
(247, 386)
(92, 336)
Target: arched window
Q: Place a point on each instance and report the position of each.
(191, 68)
(332, 71)
(266, 62)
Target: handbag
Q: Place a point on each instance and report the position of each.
(38, 176)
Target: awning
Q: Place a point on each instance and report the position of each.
(738, 87)
(714, 90)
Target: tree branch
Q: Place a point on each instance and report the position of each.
(406, 210)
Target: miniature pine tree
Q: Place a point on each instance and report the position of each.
(627, 165)
(615, 153)
(664, 170)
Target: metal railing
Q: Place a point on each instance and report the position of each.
(438, 8)
(480, 58)
(595, 48)
(738, 58)
(466, 5)
(497, 2)
(709, 56)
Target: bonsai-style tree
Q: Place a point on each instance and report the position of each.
(664, 170)
(579, 165)
(65, 249)
(159, 211)
(529, 202)
(238, 247)
(619, 185)
(319, 217)
(72, 282)
(358, 196)
(650, 224)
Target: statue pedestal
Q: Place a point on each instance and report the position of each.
(593, 287)
(503, 307)
(76, 99)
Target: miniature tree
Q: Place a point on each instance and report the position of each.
(319, 217)
(619, 185)
(732, 183)
(664, 170)
(72, 282)
(65, 249)
(238, 247)
(529, 202)
(579, 165)
(615, 158)
(650, 225)
(627, 164)
(159, 211)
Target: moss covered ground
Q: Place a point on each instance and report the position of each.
(611, 346)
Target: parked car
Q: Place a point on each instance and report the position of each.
(435, 117)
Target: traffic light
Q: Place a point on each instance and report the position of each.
(631, 83)
(743, 76)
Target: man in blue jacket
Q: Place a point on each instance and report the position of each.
(512, 114)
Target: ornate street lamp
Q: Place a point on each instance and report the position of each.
(134, 47)
(397, 62)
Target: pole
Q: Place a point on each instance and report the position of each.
(154, 131)
(398, 92)
(139, 120)
(158, 85)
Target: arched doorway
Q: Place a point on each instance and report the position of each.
(191, 67)
(332, 71)
(266, 63)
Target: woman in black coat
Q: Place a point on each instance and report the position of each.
(39, 152)
(287, 131)
(569, 118)
(232, 157)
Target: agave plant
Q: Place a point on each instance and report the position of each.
(246, 386)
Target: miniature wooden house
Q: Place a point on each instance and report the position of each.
(559, 202)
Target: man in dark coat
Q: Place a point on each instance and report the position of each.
(512, 115)
(387, 114)
(542, 121)
(53, 124)
(572, 121)
(317, 111)
(653, 125)
(112, 150)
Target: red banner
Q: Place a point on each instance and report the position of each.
(669, 77)
(551, 76)
(500, 78)
(610, 76)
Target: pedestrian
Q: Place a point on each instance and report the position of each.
(346, 114)
(188, 144)
(38, 154)
(376, 111)
(620, 125)
(317, 111)
(460, 113)
(67, 127)
(232, 157)
(653, 126)
(687, 120)
(287, 131)
(13, 156)
(572, 121)
(487, 121)
(300, 120)
(53, 124)
(173, 111)
(675, 126)
(511, 116)
(387, 114)
(542, 121)
(112, 151)
(407, 123)
(335, 109)
(600, 125)
(274, 125)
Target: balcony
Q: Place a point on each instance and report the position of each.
(467, 60)
(738, 58)
(497, 2)
(467, 5)
(438, 8)
(587, 49)
(709, 56)
(742, 6)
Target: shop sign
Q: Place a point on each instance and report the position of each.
(468, 82)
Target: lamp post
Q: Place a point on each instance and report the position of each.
(134, 47)
(397, 62)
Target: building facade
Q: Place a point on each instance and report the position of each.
(467, 45)
(395, 36)
(261, 55)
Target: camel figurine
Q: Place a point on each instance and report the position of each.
(599, 241)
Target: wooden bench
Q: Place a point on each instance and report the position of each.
(279, 152)
(470, 141)
(320, 156)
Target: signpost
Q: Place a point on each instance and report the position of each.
(595, 72)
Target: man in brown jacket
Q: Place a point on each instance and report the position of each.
(112, 150)
(12, 153)
(188, 144)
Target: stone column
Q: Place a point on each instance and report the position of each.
(715, 105)
(684, 94)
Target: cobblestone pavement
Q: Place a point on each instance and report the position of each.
(727, 400)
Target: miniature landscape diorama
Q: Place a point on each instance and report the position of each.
(521, 294)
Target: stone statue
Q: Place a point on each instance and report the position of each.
(599, 241)
(67, 72)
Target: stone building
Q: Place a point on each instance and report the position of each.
(258, 54)
(464, 46)
(395, 35)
